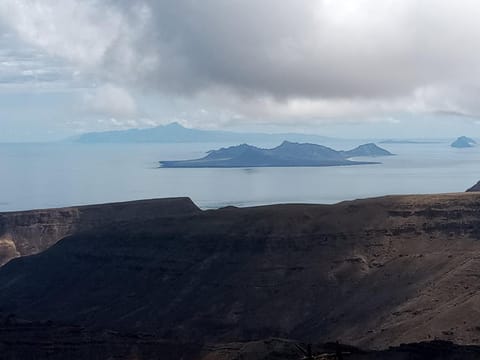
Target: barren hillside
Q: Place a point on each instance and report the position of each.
(372, 273)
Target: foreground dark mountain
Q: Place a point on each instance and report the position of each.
(280, 349)
(176, 133)
(26, 340)
(371, 273)
(474, 188)
(29, 232)
(286, 154)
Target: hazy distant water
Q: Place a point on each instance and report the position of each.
(52, 175)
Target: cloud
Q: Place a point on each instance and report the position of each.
(24, 68)
(110, 100)
(305, 58)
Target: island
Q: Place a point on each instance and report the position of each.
(367, 150)
(287, 154)
(463, 142)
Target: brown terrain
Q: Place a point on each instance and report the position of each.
(371, 273)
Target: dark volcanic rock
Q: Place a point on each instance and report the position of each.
(280, 349)
(27, 340)
(372, 273)
(463, 142)
(29, 232)
(474, 188)
(286, 154)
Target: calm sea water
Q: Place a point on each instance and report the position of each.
(53, 175)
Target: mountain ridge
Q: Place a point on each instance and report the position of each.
(176, 133)
(30, 232)
(372, 273)
(286, 154)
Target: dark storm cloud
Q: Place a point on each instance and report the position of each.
(325, 56)
(312, 49)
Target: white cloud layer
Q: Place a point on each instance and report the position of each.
(110, 100)
(265, 58)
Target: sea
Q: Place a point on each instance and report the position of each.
(47, 175)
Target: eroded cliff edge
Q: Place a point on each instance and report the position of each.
(373, 273)
(30, 232)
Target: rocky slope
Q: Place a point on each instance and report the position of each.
(281, 349)
(29, 232)
(26, 340)
(474, 188)
(371, 273)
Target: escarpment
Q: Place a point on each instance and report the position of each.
(373, 272)
(30, 232)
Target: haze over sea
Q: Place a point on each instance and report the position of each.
(44, 175)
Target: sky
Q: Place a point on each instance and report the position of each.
(345, 68)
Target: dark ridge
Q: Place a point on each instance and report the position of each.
(27, 340)
(474, 188)
(29, 232)
(371, 273)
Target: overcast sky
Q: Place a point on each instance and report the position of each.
(347, 68)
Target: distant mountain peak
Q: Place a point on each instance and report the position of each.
(369, 145)
(175, 132)
(174, 125)
(369, 149)
(286, 144)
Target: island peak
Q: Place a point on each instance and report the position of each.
(463, 142)
(369, 149)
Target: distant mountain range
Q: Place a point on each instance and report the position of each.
(286, 154)
(176, 133)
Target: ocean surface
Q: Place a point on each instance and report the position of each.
(62, 174)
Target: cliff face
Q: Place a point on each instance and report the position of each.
(371, 272)
(27, 233)
(30, 232)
